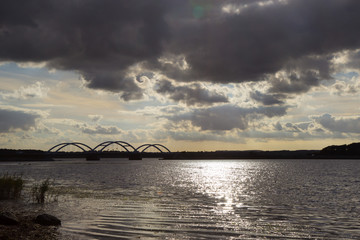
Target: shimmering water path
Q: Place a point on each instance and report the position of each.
(228, 199)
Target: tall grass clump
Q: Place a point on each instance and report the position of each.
(11, 186)
(41, 192)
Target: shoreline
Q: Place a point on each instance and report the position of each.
(27, 228)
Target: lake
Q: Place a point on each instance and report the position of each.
(201, 199)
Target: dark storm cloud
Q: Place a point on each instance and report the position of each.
(11, 120)
(190, 95)
(99, 39)
(262, 40)
(102, 39)
(299, 76)
(342, 125)
(228, 117)
(113, 81)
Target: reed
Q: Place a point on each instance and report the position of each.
(40, 191)
(11, 186)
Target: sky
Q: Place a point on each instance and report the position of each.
(193, 75)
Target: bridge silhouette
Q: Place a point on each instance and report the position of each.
(101, 147)
(93, 153)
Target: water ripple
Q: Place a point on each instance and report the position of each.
(247, 199)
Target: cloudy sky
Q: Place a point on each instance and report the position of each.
(189, 74)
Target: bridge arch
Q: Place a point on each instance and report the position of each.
(147, 145)
(80, 145)
(100, 147)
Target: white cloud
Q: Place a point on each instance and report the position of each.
(98, 129)
(347, 61)
(239, 7)
(32, 64)
(36, 90)
(95, 117)
(228, 117)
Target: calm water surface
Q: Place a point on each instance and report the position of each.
(229, 199)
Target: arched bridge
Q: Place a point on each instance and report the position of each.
(79, 145)
(102, 146)
(156, 146)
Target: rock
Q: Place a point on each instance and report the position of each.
(8, 218)
(47, 220)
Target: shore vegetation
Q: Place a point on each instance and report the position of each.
(11, 186)
(41, 192)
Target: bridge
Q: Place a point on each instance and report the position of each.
(100, 149)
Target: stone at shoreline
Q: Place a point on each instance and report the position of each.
(8, 218)
(47, 220)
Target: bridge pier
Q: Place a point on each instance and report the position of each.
(135, 156)
(92, 157)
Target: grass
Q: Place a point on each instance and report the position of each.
(11, 186)
(41, 192)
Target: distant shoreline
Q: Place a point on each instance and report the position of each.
(350, 151)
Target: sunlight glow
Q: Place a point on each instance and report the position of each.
(213, 178)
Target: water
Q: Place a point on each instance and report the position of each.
(185, 199)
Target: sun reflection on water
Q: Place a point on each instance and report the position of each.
(222, 181)
(189, 199)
